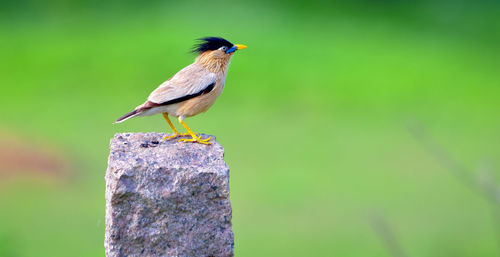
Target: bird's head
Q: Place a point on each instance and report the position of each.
(217, 47)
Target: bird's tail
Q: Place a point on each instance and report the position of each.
(128, 116)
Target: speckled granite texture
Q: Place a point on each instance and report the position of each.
(165, 198)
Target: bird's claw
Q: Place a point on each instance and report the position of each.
(175, 135)
(196, 139)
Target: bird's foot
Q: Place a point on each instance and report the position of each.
(175, 135)
(197, 139)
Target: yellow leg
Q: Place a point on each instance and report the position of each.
(194, 137)
(176, 133)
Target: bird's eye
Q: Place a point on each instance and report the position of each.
(224, 48)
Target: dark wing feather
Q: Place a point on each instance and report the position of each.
(192, 80)
(206, 90)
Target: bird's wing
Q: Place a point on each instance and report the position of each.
(189, 82)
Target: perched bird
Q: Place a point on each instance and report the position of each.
(193, 89)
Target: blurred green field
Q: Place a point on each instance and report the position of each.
(314, 118)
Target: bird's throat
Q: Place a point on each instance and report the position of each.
(213, 64)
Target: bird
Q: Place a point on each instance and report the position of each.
(192, 90)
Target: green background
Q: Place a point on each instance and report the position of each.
(315, 119)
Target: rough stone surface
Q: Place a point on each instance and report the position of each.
(167, 198)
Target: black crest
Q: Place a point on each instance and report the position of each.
(211, 43)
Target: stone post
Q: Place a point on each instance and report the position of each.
(165, 198)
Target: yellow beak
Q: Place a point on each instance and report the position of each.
(239, 47)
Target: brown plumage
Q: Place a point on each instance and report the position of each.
(193, 89)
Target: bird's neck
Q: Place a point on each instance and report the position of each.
(215, 65)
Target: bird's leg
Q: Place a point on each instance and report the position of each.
(194, 137)
(176, 133)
